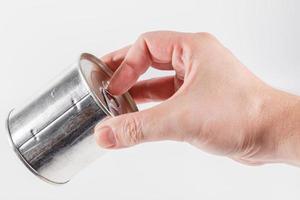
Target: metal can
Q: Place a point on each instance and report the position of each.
(53, 133)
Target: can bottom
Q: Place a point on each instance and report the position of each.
(21, 157)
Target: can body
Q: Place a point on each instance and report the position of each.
(53, 134)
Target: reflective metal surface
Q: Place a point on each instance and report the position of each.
(52, 134)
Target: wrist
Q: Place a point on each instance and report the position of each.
(281, 127)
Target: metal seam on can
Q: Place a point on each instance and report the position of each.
(58, 118)
(45, 126)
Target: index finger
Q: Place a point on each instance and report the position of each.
(159, 48)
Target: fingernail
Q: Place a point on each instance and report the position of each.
(105, 137)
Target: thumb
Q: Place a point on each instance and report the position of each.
(133, 128)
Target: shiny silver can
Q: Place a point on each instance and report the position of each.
(53, 133)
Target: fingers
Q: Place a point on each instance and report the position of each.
(158, 49)
(156, 89)
(154, 48)
(114, 59)
(130, 129)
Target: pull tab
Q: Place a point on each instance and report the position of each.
(111, 102)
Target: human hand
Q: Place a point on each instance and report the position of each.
(213, 102)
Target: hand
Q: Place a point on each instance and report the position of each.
(213, 102)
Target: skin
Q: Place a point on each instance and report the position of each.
(213, 102)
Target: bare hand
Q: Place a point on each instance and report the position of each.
(213, 102)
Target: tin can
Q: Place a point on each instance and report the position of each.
(53, 133)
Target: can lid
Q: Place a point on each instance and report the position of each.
(96, 75)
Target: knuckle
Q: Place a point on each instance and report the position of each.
(205, 36)
(132, 131)
(204, 40)
(148, 36)
(143, 36)
(201, 43)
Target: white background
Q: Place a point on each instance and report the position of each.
(38, 39)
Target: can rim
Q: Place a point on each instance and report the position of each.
(109, 72)
(21, 157)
